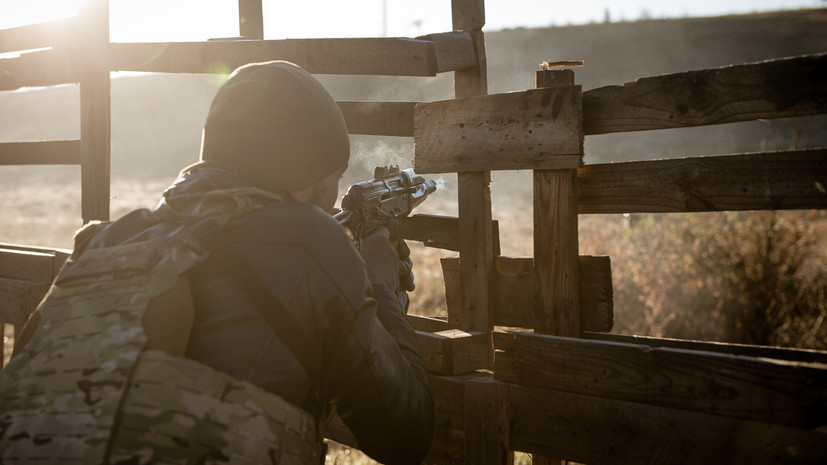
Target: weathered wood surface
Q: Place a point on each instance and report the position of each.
(454, 50)
(533, 129)
(95, 111)
(38, 35)
(771, 89)
(770, 181)
(779, 353)
(27, 265)
(378, 118)
(486, 423)
(756, 389)
(556, 251)
(370, 56)
(598, 431)
(476, 246)
(441, 232)
(453, 351)
(514, 299)
(55, 152)
(19, 299)
(25, 275)
(428, 324)
(595, 430)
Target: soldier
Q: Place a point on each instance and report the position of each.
(227, 324)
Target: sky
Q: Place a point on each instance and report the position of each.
(184, 20)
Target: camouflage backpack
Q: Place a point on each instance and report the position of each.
(102, 381)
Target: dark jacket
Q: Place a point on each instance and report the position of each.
(370, 364)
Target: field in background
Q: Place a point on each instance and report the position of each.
(750, 277)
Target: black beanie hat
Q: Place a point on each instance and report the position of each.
(275, 125)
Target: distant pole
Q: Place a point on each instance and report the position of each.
(384, 18)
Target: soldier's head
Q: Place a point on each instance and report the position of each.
(275, 125)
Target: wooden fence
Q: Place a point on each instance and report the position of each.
(560, 385)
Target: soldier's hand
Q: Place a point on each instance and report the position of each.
(406, 274)
(382, 259)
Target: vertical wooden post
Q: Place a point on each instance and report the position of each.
(555, 239)
(95, 105)
(556, 249)
(476, 249)
(250, 19)
(487, 420)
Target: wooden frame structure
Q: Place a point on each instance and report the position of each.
(561, 386)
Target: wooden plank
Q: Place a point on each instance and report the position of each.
(513, 296)
(38, 35)
(26, 265)
(454, 50)
(599, 431)
(34, 69)
(533, 129)
(250, 19)
(769, 181)
(476, 250)
(428, 324)
(448, 446)
(756, 389)
(95, 110)
(486, 423)
(19, 298)
(60, 255)
(378, 118)
(441, 232)
(453, 351)
(771, 89)
(556, 267)
(468, 15)
(370, 56)
(780, 353)
(53, 152)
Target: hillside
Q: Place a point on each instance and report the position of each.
(156, 119)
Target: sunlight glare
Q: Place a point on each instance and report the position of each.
(14, 13)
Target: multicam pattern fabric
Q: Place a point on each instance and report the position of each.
(84, 377)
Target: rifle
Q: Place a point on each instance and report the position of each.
(390, 196)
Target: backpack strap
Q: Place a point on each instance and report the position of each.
(274, 313)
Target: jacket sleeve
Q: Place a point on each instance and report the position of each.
(374, 372)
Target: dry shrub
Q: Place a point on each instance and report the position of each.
(745, 277)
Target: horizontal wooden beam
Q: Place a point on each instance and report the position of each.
(39, 35)
(771, 89)
(373, 56)
(750, 388)
(453, 351)
(55, 152)
(36, 69)
(596, 430)
(27, 265)
(779, 353)
(26, 273)
(441, 232)
(513, 293)
(19, 298)
(378, 118)
(533, 129)
(428, 324)
(593, 430)
(454, 50)
(758, 181)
